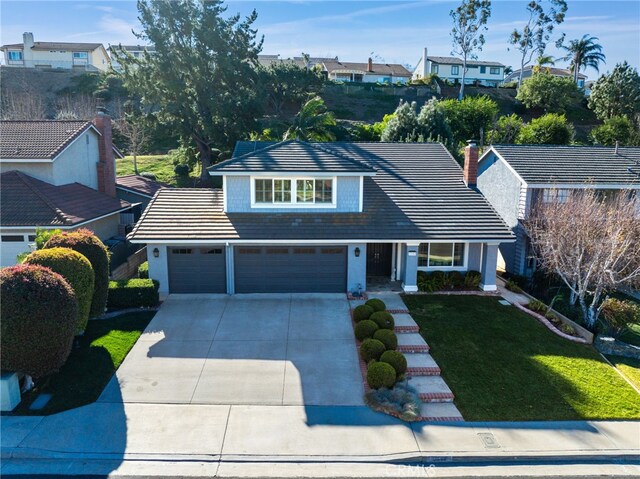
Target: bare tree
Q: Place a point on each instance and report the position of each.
(591, 241)
(16, 106)
(76, 107)
(134, 129)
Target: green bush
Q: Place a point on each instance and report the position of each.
(397, 360)
(537, 306)
(511, 285)
(371, 349)
(38, 320)
(615, 129)
(383, 319)
(76, 270)
(455, 279)
(376, 304)
(619, 315)
(549, 93)
(362, 312)
(472, 279)
(365, 329)
(386, 337)
(143, 270)
(381, 375)
(86, 243)
(132, 293)
(549, 129)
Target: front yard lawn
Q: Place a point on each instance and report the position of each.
(503, 365)
(629, 367)
(104, 346)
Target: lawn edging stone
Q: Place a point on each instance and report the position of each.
(550, 326)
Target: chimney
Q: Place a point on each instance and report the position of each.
(425, 66)
(370, 65)
(470, 170)
(106, 161)
(27, 48)
(27, 40)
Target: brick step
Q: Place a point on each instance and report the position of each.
(398, 311)
(440, 412)
(406, 329)
(404, 320)
(406, 348)
(431, 388)
(436, 397)
(423, 371)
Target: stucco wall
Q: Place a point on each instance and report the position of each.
(9, 251)
(106, 227)
(238, 190)
(356, 267)
(159, 267)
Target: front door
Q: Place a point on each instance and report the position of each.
(379, 259)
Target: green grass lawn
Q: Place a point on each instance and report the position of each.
(502, 364)
(629, 367)
(89, 368)
(159, 165)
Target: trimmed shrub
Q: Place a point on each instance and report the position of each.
(133, 293)
(619, 315)
(397, 360)
(472, 279)
(365, 329)
(362, 312)
(381, 375)
(371, 349)
(455, 279)
(383, 319)
(386, 337)
(38, 320)
(76, 270)
(376, 304)
(143, 270)
(85, 242)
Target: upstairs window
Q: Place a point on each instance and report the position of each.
(494, 70)
(15, 56)
(441, 255)
(434, 69)
(308, 191)
(80, 55)
(455, 70)
(483, 69)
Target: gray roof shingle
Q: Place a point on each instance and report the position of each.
(38, 139)
(26, 201)
(548, 164)
(393, 69)
(417, 193)
(139, 184)
(56, 46)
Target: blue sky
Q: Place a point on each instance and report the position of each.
(393, 31)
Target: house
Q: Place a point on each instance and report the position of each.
(556, 72)
(31, 54)
(450, 69)
(302, 62)
(137, 190)
(366, 72)
(322, 217)
(57, 174)
(137, 51)
(513, 178)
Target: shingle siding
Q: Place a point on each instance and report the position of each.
(502, 189)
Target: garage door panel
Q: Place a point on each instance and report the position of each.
(285, 269)
(197, 270)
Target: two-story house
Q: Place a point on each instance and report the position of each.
(65, 55)
(57, 174)
(514, 178)
(137, 51)
(450, 68)
(322, 217)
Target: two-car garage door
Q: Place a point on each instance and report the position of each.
(259, 269)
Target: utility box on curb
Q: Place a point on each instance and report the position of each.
(9, 391)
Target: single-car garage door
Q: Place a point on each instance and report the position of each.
(290, 269)
(197, 270)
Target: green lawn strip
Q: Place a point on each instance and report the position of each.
(89, 368)
(160, 165)
(630, 367)
(502, 364)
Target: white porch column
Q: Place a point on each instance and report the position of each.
(410, 270)
(489, 266)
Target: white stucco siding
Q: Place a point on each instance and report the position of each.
(473, 74)
(9, 250)
(78, 163)
(40, 171)
(106, 227)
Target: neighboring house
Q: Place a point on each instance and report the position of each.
(30, 54)
(137, 51)
(57, 174)
(450, 69)
(138, 191)
(310, 62)
(322, 217)
(556, 72)
(514, 178)
(366, 72)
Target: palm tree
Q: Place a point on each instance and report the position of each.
(584, 53)
(543, 61)
(312, 123)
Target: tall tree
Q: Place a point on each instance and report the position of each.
(583, 53)
(617, 93)
(469, 21)
(312, 123)
(202, 77)
(532, 39)
(543, 61)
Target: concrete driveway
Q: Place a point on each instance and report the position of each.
(276, 349)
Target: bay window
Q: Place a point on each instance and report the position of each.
(308, 191)
(441, 255)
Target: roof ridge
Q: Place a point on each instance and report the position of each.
(26, 179)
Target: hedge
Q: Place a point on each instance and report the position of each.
(383, 319)
(381, 375)
(38, 320)
(76, 270)
(133, 293)
(395, 359)
(365, 329)
(143, 270)
(376, 304)
(85, 242)
(371, 349)
(362, 312)
(386, 337)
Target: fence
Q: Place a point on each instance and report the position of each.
(129, 269)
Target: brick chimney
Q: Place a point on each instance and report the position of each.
(106, 163)
(370, 65)
(470, 170)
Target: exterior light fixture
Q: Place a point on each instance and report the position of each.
(357, 252)
(156, 252)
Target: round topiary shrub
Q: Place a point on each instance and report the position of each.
(381, 375)
(365, 329)
(38, 320)
(376, 304)
(362, 312)
(76, 270)
(386, 337)
(383, 319)
(371, 349)
(397, 360)
(85, 242)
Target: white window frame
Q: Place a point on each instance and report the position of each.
(555, 195)
(294, 203)
(465, 258)
(80, 55)
(455, 69)
(494, 71)
(435, 68)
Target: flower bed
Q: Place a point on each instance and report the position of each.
(439, 281)
(552, 321)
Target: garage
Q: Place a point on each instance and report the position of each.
(290, 269)
(197, 270)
